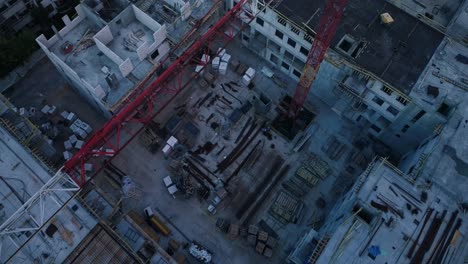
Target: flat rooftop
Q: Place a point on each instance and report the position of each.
(440, 11)
(388, 215)
(21, 177)
(397, 53)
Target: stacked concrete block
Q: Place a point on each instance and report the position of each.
(215, 64)
(52, 109)
(79, 144)
(226, 58)
(170, 144)
(248, 76)
(73, 139)
(172, 141)
(221, 52)
(68, 145)
(199, 69)
(223, 68)
(210, 78)
(80, 128)
(205, 59)
(64, 114)
(166, 151)
(246, 80)
(234, 63)
(45, 109)
(67, 155)
(88, 167)
(83, 125)
(71, 117)
(250, 72)
(48, 109)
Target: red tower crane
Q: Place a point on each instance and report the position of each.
(326, 30)
(141, 107)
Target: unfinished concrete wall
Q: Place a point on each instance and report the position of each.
(126, 67)
(283, 45)
(90, 93)
(145, 19)
(123, 19)
(159, 35)
(103, 37)
(69, 25)
(142, 51)
(108, 52)
(162, 50)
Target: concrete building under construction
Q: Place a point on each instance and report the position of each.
(172, 131)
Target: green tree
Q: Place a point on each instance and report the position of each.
(40, 16)
(14, 51)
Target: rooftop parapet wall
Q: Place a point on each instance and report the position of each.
(130, 38)
(159, 35)
(69, 25)
(104, 37)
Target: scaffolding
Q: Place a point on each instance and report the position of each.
(26, 133)
(145, 104)
(38, 210)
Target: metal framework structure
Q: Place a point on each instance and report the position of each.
(139, 109)
(37, 210)
(326, 30)
(149, 102)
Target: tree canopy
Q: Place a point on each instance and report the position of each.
(14, 51)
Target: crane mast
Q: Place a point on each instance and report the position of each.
(326, 30)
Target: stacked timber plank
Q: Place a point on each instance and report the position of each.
(262, 242)
(307, 176)
(286, 208)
